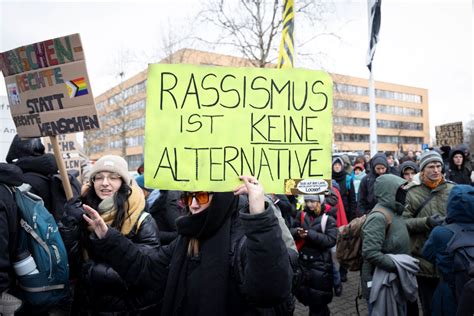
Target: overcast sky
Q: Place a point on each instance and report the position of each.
(427, 44)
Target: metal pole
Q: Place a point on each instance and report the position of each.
(373, 114)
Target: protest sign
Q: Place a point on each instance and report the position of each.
(205, 126)
(48, 88)
(449, 134)
(71, 150)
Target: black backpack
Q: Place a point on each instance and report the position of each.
(462, 246)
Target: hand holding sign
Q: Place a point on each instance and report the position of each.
(255, 193)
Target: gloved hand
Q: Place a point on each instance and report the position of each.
(73, 210)
(434, 220)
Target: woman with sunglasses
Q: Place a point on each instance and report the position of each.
(228, 259)
(119, 202)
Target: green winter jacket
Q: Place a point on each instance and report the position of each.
(416, 224)
(376, 244)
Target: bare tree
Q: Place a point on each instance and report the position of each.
(253, 27)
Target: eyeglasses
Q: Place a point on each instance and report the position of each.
(101, 177)
(202, 197)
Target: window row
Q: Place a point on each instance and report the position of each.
(384, 139)
(126, 93)
(131, 142)
(384, 94)
(97, 148)
(127, 109)
(380, 108)
(363, 122)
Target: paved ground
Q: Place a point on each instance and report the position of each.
(345, 304)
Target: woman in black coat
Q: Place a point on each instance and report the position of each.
(119, 201)
(315, 255)
(228, 259)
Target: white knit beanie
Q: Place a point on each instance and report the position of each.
(112, 163)
(314, 197)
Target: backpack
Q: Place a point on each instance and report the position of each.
(57, 194)
(349, 241)
(40, 236)
(461, 245)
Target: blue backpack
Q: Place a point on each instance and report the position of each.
(462, 246)
(40, 236)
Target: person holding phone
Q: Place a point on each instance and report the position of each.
(318, 231)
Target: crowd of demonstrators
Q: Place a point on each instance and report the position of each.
(317, 231)
(425, 209)
(119, 202)
(196, 244)
(385, 250)
(367, 200)
(460, 211)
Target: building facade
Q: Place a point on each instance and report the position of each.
(402, 112)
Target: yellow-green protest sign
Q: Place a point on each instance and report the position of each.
(205, 126)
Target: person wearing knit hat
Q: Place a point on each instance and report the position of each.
(314, 197)
(425, 208)
(112, 164)
(428, 157)
(408, 170)
(120, 204)
(357, 175)
(314, 244)
(346, 187)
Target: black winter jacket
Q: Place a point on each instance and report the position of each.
(460, 175)
(348, 195)
(367, 199)
(264, 276)
(100, 288)
(315, 257)
(10, 175)
(165, 210)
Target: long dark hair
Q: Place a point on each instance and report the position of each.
(120, 202)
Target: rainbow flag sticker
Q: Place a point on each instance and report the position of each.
(76, 87)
